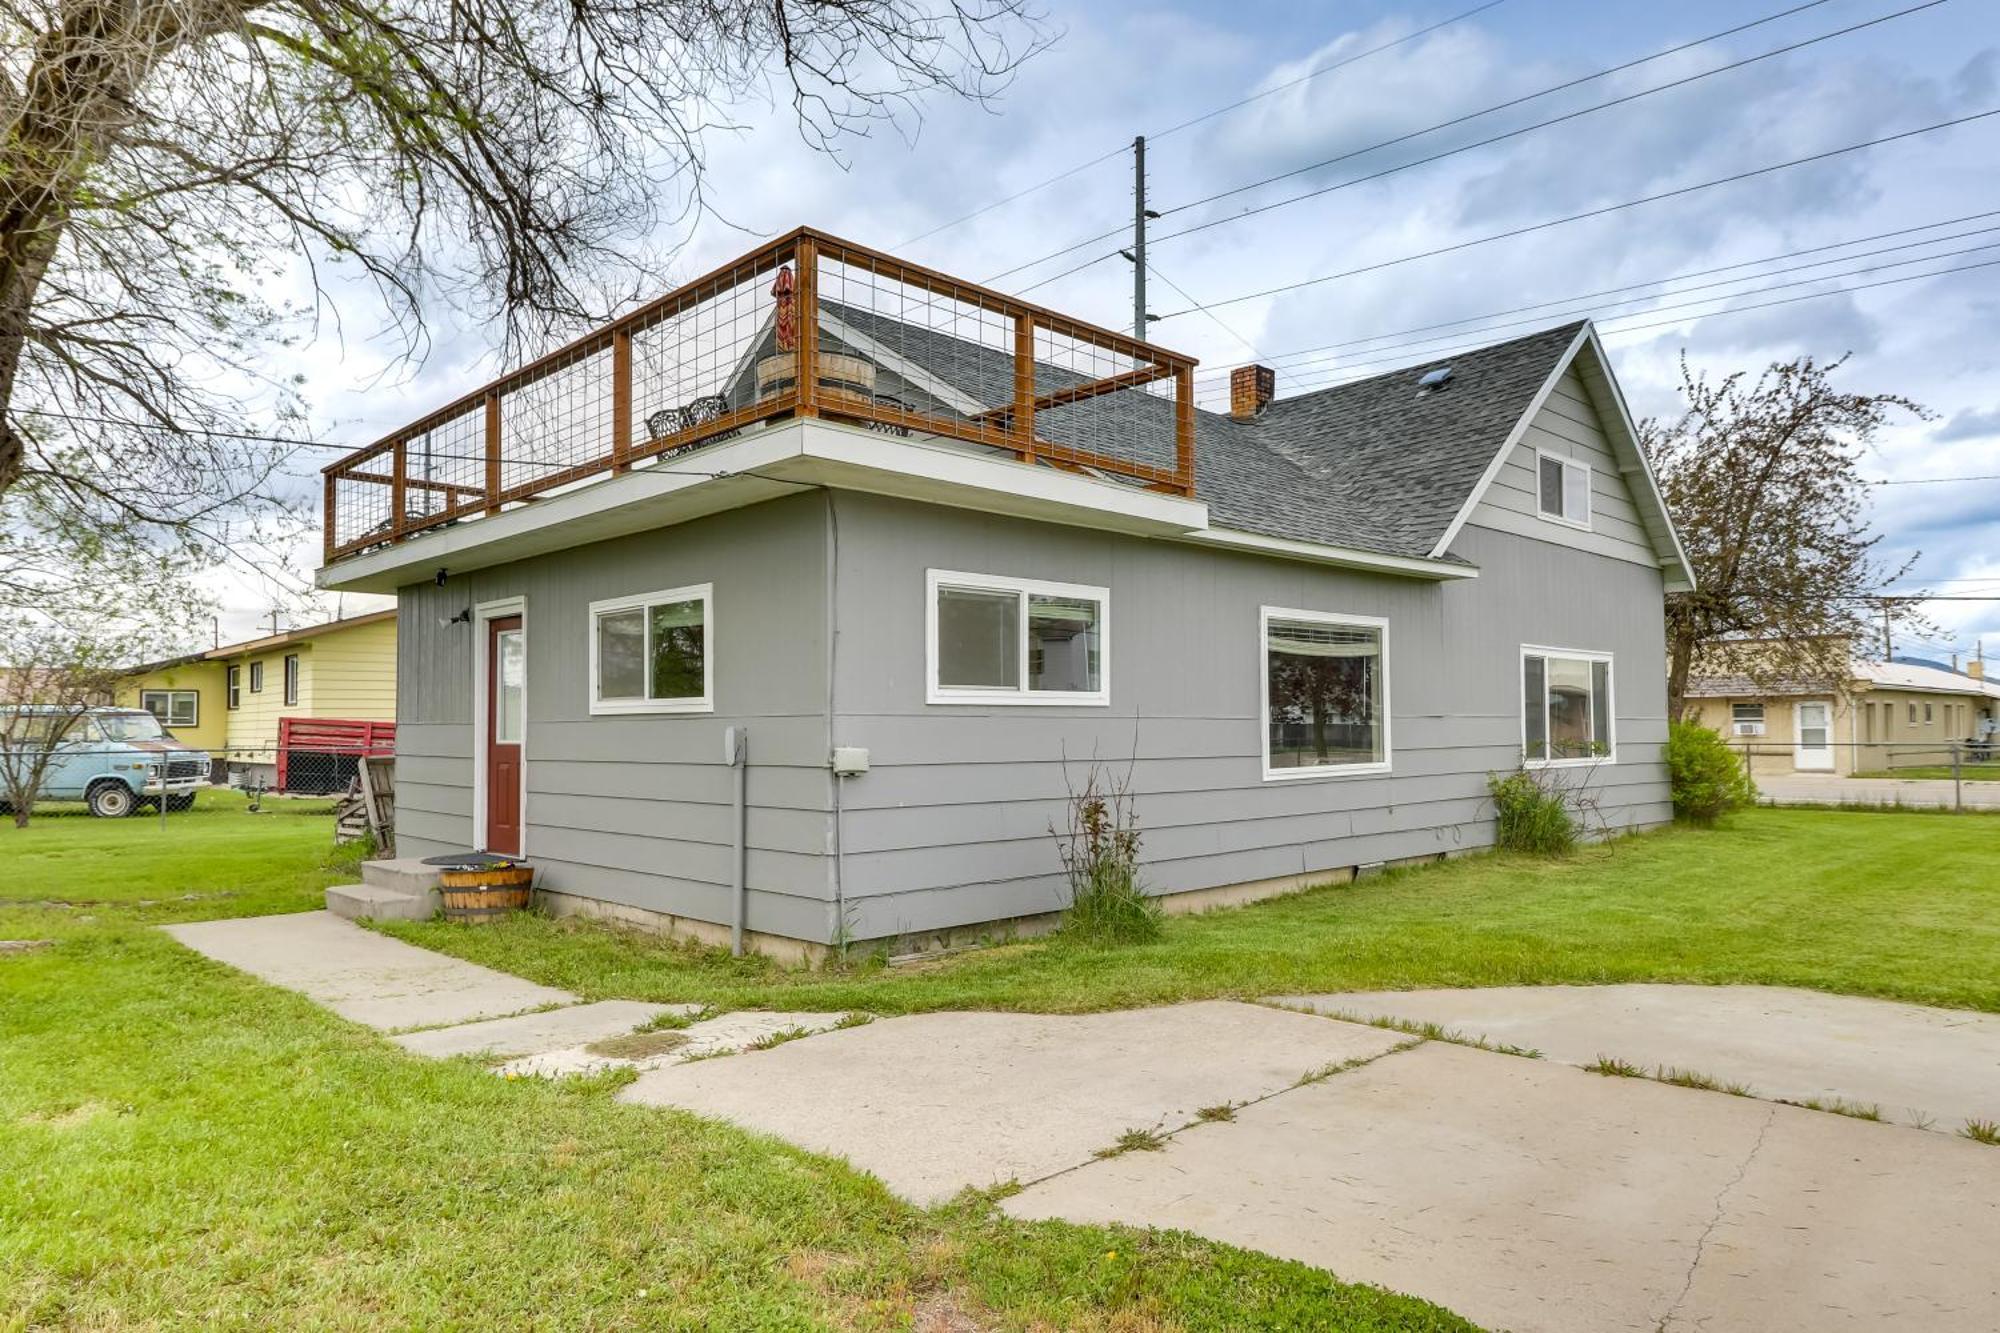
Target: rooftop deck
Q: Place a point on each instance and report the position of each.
(807, 326)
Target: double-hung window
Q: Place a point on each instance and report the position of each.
(291, 678)
(233, 696)
(1563, 489)
(1565, 706)
(174, 708)
(997, 640)
(1325, 694)
(256, 678)
(652, 652)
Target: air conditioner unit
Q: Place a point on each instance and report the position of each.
(1748, 729)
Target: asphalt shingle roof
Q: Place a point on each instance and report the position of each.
(1372, 465)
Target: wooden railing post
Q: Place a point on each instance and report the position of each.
(1021, 423)
(492, 453)
(806, 386)
(621, 401)
(1184, 427)
(399, 482)
(329, 516)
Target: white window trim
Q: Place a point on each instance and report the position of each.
(1589, 482)
(702, 592)
(1610, 703)
(482, 614)
(232, 688)
(1323, 772)
(937, 579)
(165, 721)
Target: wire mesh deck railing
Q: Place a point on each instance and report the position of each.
(807, 326)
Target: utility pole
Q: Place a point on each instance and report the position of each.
(1139, 238)
(1888, 647)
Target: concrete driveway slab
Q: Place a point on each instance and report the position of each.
(1532, 1196)
(362, 976)
(1916, 1063)
(533, 1034)
(935, 1102)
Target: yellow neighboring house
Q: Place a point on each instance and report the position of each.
(1885, 715)
(234, 700)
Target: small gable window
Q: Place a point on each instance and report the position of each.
(1563, 486)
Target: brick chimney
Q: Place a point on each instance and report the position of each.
(1251, 389)
(1976, 668)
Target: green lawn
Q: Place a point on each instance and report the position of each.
(181, 1146)
(1900, 905)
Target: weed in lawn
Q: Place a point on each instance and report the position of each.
(1612, 1067)
(1100, 855)
(1689, 1078)
(855, 1019)
(1982, 1131)
(1530, 818)
(1431, 1032)
(670, 1020)
(1134, 1140)
(1225, 1111)
(774, 1039)
(637, 1045)
(1839, 1106)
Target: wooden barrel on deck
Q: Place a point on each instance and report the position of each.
(484, 893)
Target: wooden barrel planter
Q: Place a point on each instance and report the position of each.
(484, 893)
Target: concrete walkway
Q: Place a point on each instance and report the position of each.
(1524, 1194)
(1531, 1196)
(1913, 1063)
(934, 1103)
(1926, 793)
(362, 976)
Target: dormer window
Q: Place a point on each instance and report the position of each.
(1564, 489)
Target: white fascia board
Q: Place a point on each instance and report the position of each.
(1506, 450)
(1624, 435)
(765, 465)
(1341, 557)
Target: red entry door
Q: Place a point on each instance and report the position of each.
(506, 721)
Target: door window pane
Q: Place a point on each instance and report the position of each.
(1325, 694)
(677, 648)
(1062, 643)
(511, 704)
(979, 644)
(621, 654)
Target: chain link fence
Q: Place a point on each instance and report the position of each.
(147, 779)
(1955, 762)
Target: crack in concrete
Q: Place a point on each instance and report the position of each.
(1714, 1221)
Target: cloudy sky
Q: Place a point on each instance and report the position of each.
(1118, 69)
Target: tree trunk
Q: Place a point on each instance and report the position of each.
(1680, 661)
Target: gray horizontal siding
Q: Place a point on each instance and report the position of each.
(1567, 425)
(637, 809)
(952, 823)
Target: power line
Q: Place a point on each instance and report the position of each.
(1464, 148)
(1602, 211)
(1306, 352)
(1402, 351)
(1309, 75)
(1215, 318)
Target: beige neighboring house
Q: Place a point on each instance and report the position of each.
(1885, 715)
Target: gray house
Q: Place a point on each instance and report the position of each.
(904, 575)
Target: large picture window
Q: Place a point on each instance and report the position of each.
(1016, 641)
(1565, 706)
(1326, 694)
(174, 708)
(652, 653)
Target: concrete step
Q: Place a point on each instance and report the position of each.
(405, 874)
(354, 901)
